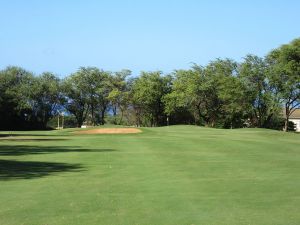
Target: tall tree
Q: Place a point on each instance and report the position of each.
(186, 93)
(285, 76)
(76, 97)
(119, 94)
(14, 84)
(44, 98)
(97, 88)
(86, 92)
(253, 72)
(198, 90)
(146, 96)
(218, 78)
(235, 107)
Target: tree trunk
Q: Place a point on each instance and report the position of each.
(93, 115)
(287, 115)
(286, 124)
(114, 108)
(102, 116)
(121, 119)
(79, 122)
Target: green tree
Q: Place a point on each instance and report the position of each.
(199, 90)
(97, 88)
(235, 107)
(119, 94)
(14, 109)
(253, 72)
(186, 94)
(76, 97)
(146, 97)
(217, 84)
(285, 76)
(87, 93)
(44, 98)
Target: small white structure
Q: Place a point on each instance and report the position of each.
(295, 118)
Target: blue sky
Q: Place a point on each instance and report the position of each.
(62, 35)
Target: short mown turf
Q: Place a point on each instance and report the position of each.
(176, 175)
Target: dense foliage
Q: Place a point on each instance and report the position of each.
(223, 93)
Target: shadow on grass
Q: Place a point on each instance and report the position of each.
(11, 169)
(11, 135)
(17, 150)
(33, 139)
(17, 169)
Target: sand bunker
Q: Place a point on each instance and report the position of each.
(110, 131)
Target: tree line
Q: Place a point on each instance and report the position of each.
(223, 93)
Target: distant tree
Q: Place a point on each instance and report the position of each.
(234, 109)
(76, 97)
(203, 91)
(14, 84)
(253, 72)
(186, 94)
(87, 93)
(220, 89)
(146, 97)
(119, 94)
(97, 84)
(44, 98)
(285, 76)
(221, 94)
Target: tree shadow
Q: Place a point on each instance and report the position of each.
(4, 135)
(32, 139)
(18, 150)
(15, 169)
(11, 169)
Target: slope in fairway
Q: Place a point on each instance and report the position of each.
(169, 175)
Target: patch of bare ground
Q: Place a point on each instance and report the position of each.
(110, 131)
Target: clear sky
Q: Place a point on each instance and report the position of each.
(62, 35)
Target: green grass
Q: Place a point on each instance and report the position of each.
(176, 175)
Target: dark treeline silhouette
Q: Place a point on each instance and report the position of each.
(223, 93)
